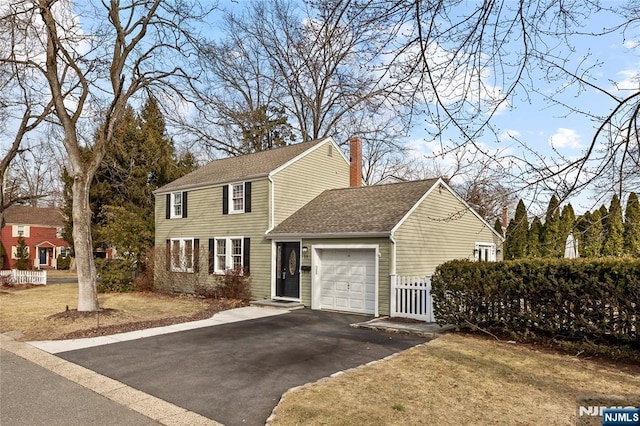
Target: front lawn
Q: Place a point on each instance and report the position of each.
(28, 312)
(458, 380)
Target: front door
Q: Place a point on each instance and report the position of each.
(288, 270)
(43, 256)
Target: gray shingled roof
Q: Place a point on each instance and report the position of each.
(239, 168)
(364, 210)
(27, 215)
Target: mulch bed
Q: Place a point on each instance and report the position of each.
(215, 306)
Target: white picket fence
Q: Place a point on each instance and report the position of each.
(411, 298)
(25, 277)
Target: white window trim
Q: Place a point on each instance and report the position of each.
(26, 231)
(480, 246)
(231, 208)
(183, 257)
(228, 263)
(173, 205)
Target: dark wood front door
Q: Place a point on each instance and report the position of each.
(288, 270)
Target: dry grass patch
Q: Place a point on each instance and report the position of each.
(458, 379)
(28, 311)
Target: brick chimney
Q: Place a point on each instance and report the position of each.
(355, 151)
(505, 219)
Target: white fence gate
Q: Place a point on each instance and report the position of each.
(411, 298)
(25, 277)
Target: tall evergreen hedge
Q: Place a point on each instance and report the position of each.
(566, 299)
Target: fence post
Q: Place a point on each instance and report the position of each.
(429, 299)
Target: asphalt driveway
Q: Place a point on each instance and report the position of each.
(236, 373)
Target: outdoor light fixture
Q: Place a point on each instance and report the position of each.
(305, 249)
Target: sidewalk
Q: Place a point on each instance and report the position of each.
(224, 317)
(37, 387)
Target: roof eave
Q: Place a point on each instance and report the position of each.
(299, 235)
(161, 191)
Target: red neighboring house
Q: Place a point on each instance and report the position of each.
(42, 232)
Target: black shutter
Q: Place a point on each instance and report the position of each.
(184, 204)
(212, 258)
(168, 206)
(225, 199)
(167, 257)
(196, 254)
(247, 197)
(246, 255)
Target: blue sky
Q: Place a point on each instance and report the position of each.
(543, 126)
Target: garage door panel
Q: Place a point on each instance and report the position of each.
(347, 280)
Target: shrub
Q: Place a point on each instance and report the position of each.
(593, 301)
(144, 280)
(114, 275)
(234, 284)
(63, 263)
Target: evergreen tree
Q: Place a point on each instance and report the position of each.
(22, 255)
(497, 226)
(567, 221)
(604, 215)
(535, 234)
(593, 236)
(632, 226)
(517, 234)
(614, 243)
(582, 223)
(141, 159)
(552, 246)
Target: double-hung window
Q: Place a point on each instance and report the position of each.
(485, 252)
(20, 231)
(181, 256)
(176, 205)
(236, 198)
(229, 253)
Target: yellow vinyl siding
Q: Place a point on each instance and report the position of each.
(306, 178)
(383, 266)
(205, 220)
(441, 228)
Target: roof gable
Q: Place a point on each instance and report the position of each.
(27, 215)
(373, 209)
(243, 167)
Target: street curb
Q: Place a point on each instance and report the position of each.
(156, 409)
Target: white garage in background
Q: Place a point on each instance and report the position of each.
(345, 278)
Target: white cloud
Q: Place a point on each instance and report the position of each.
(631, 44)
(630, 80)
(565, 138)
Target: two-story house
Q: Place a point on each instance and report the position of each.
(41, 228)
(299, 221)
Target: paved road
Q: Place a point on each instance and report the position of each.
(236, 373)
(32, 395)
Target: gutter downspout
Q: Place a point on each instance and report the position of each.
(273, 207)
(392, 276)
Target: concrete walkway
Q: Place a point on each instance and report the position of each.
(224, 317)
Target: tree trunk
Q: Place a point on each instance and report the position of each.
(83, 244)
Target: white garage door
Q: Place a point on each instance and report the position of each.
(347, 280)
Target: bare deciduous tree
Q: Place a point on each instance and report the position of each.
(96, 57)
